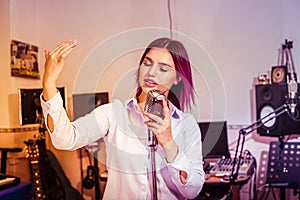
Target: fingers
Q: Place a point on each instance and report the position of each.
(66, 52)
(166, 109)
(62, 50)
(67, 49)
(166, 113)
(54, 62)
(155, 122)
(152, 117)
(67, 44)
(46, 53)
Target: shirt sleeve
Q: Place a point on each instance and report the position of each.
(188, 159)
(69, 135)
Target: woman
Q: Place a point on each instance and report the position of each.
(124, 126)
(34, 63)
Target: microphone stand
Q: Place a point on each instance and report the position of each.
(292, 76)
(97, 184)
(244, 132)
(153, 105)
(152, 143)
(94, 148)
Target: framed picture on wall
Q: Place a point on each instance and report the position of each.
(24, 62)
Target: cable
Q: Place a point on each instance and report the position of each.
(263, 187)
(81, 169)
(254, 182)
(170, 19)
(295, 117)
(273, 194)
(268, 192)
(250, 188)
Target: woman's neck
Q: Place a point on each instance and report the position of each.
(141, 100)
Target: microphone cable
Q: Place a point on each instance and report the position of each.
(170, 19)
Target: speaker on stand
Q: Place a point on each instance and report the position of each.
(268, 98)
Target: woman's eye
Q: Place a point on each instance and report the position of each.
(162, 69)
(147, 64)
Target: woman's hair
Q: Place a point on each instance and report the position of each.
(181, 95)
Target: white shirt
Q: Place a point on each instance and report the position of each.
(121, 125)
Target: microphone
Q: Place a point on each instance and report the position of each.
(292, 95)
(154, 105)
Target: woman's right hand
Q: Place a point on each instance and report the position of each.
(53, 67)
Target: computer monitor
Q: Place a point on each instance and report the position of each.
(214, 139)
(85, 102)
(30, 105)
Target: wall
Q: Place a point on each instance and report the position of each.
(4, 61)
(231, 39)
(229, 42)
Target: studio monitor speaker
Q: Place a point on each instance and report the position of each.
(279, 74)
(269, 98)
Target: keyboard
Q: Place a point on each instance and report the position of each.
(207, 166)
(224, 167)
(7, 181)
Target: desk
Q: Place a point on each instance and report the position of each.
(22, 191)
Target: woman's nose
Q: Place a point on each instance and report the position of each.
(153, 70)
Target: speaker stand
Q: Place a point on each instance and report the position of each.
(97, 185)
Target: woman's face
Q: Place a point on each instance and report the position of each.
(157, 71)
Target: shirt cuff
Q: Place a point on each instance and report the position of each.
(181, 163)
(55, 103)
(52, 107)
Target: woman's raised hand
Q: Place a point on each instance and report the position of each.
(53, 67)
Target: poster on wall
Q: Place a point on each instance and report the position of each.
(24, 62)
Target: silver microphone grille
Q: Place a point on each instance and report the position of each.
(153, 103)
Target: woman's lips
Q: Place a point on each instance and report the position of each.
(150, 83)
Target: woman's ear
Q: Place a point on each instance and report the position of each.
(178, 80)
